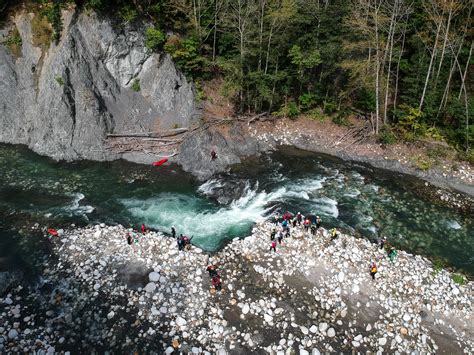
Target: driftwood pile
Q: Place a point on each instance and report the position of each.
(166, 143)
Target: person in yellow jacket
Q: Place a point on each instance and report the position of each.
(373, 270)
(334, 233)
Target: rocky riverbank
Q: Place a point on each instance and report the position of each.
(64, 100)
(236, 141)
(312, 295)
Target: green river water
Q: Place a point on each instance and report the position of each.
(364, 201)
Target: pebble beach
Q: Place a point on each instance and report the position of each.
(313, 295)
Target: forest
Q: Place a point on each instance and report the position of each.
(403, 65)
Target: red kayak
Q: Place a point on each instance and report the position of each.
(52, 231)
(160, 162)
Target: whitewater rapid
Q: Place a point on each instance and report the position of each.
(211, 224)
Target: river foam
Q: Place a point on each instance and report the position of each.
(194, 215)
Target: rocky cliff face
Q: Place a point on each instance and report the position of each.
(62, 101)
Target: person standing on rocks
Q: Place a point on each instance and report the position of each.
(280, 237)
(180, 242)
(273, 234)
(213, 155)
(392, 254)
(373, 270)
(212, 270)
(187, 242)
(274, 244)
(129, 239)
(318, 222)
(216, 282)
(334, 233)
(307, 224)
(382, 242)
(313, 229)
(299, 218)
(173, 232)
(143, 228)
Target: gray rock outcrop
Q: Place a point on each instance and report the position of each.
(62, 101)
(195, 151)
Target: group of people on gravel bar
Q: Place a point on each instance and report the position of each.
(283, 225)
(287, 220)
(281, 231)
(183, 241)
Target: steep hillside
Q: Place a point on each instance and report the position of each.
(62, 100)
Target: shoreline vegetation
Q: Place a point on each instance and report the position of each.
(402, 67)
(314, 294)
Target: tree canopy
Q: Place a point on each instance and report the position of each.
(405, 64)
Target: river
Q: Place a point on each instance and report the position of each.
(364, 201)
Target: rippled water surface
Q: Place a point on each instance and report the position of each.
(365, 201)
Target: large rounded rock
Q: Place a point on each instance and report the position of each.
(180, 321)
(268, 318)
(150, 287)
(110, 315)
(323, 326)
(154, 276)
(12, 334)
(331, 333)
(340, 276)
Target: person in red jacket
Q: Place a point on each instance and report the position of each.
(216, 282)
(143, 228)
(274, 244)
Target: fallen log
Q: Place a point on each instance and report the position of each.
(256, 117)
(156, 134)
(164, 140)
